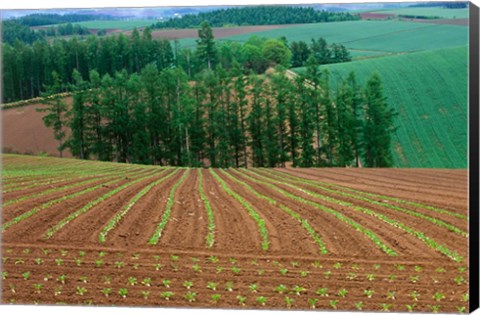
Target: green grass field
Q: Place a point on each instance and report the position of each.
(429, 12)
(368, 38)
(429, 92)
(115, 24)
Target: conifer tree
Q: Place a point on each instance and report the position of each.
(56, 109)
(378, 125)
(206, 48)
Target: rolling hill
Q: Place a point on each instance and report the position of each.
(429, 92)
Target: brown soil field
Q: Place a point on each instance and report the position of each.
(346, 239)
(218, 32)
(375, 16)
(440, 21)
(24, 132)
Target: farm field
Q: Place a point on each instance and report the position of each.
(116, 24)
(429, 12)
(432, 114)
(84, 232)
(367, 36)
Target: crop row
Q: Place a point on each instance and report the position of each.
(210, 238)
(435, 221)
(54, 190)
(93, 203)
(420, 235)
(251, 211)
(321, 184)
(50, 203)
(166, 215)
(102, 237)
(311, 231)
(376, 240)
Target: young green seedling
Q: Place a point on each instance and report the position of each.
(167, 295)
(62, 278)
(410, 307)
(123, 292)
(359, 305)
(241, 299)
(26, 275)
(39, 261)
(166, 283)
(196, 268)
(212, 286)
(147, 282)
(391, 295)
(215, 298)
(132, 281)
(81, 291)
(145, 294)
(213, 259)
(322, 291)
(303, 273)
(438, 296)
(106, 291)
(188, 284)
(386, 307)
(459, 280)
(435, 308)
(342, 292)
(370, 277)
(190, 296)
(281, 289)
(298, 290)
(261, 300)
(38, 287)
(414, 295)
(253, 287)
(368, 293)
(229, 286)
(312, 303)
(289, 301)
(333, 304)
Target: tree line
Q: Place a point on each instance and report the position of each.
(39, 19)
(256, 15)
(28, 68)
(223, 117)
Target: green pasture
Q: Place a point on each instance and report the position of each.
(429, 92)
(429, 12)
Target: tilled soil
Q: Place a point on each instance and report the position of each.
(354, 273)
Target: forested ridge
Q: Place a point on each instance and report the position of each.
(224, 117)
(256, 15)
(28, 68)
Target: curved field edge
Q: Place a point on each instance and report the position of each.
(428, 90)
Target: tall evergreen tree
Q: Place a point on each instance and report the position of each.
(78, 141)
(56, 109)
(378, 125)
(206, 48)
(256, 121)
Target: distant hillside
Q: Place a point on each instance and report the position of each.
(429, 92)
(257, 15)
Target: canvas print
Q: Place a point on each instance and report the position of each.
(303, 157)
